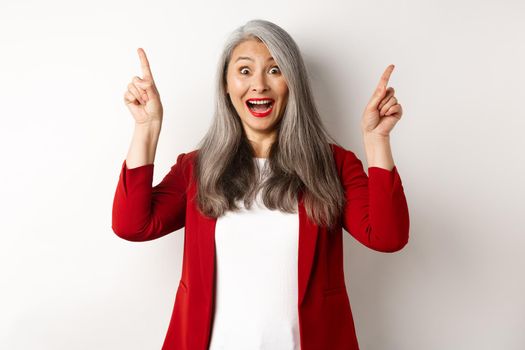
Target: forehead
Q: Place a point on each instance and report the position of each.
(251, 50)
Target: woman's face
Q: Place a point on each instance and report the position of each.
(253, 74)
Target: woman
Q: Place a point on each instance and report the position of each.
(263, 201)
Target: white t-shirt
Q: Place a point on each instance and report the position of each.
(256, 285)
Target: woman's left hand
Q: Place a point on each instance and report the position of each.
(382, 111)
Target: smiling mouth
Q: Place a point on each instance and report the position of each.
(260, 106)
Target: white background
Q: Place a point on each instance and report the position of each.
(68, 282)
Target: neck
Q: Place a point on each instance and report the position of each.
(262, 145)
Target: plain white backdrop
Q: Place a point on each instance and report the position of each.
(68, 282)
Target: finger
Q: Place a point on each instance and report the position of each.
(130, 98)
(389, 93)
(135, 91)
(146, 87)
(391, 102)
(144, 64)
(395, 110)
(380, 90)
(383, 82)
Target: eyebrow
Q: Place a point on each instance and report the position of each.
(250, 59)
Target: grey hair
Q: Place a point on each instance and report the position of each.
(300, 158)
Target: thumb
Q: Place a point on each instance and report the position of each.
(378, 95)
(147, 86)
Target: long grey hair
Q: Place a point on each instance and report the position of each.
(299, 159)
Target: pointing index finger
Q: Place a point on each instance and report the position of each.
(144, 63)
(386, 76)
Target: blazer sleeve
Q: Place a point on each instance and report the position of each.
(142, 212)
(376, 210)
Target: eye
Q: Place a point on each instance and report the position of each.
(243, 69)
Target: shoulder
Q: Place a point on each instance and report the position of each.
(186, 161)
(191, 155)
(342, 155)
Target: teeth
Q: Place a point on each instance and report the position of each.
(260, 102)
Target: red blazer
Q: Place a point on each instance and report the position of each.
(376, 214)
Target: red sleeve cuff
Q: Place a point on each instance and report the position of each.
(138, 178)
(142, 167)
(380, 178)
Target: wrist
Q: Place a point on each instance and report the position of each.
(374, 142)
(372, 137)
(151, 128)
(150, 124)
(378, 151)
(147, 133)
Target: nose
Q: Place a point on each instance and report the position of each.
(259, 83)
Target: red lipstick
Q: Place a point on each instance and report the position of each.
(260, 113)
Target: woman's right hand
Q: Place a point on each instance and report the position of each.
(142, 97)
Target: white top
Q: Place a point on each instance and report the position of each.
(256, 285)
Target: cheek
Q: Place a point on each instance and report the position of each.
(282, 88)
(236, 85)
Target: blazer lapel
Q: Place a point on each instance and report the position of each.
(206, 243)
(308, 232)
